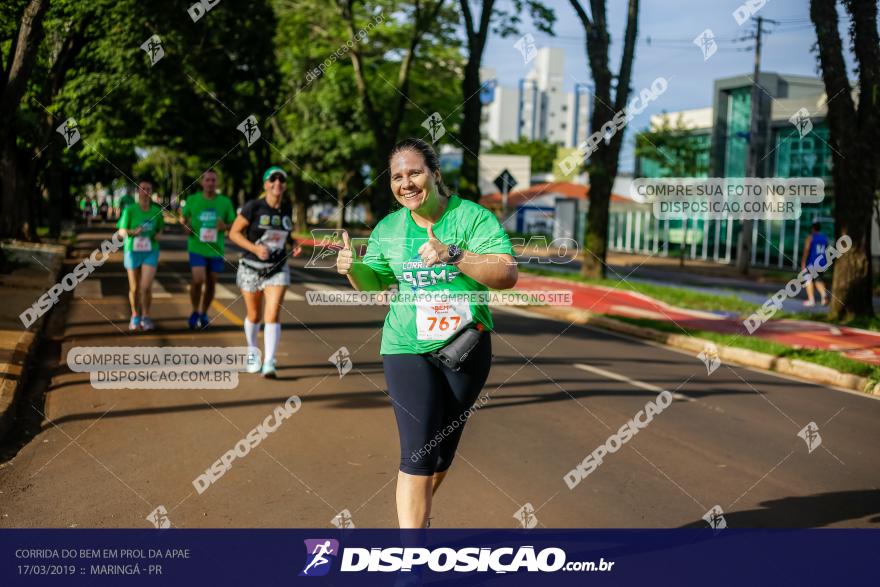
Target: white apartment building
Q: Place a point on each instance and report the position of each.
(537, 108)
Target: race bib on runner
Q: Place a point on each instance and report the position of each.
(274, 239)
(208, 235)
(142, 244)
(439, 320)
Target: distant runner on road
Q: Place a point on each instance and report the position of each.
(122, 201)
(139, 224)
(263, 229)
(436, 356)
(207, 215)
(814, 256)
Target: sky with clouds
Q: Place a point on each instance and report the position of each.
(665, 48)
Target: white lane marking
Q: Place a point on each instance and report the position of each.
(221, 292)
(91, 288)
(292, 295)
(659, 345)
(159, 290)
(630, 381)
(322, 287)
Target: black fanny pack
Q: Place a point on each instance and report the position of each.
(265, 272)
(454, 354)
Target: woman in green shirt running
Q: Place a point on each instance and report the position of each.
(437, 243)
(139, 224)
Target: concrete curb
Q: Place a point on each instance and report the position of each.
(793, 367)
(12, 374)
(23, 343)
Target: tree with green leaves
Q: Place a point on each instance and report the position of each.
(414, 45)
(674, 148)
(604, 161)
(853, 135)
(84, 61)
(507, 24)
(543, 153)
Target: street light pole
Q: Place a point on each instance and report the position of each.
(744, 242)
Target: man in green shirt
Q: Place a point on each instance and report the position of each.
(207, 215)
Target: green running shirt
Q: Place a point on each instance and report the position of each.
(392, 252)
(152, 221)
(205, 239)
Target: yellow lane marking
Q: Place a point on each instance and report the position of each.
(229, 315)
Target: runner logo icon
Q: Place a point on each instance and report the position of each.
(320, 554)
(810, 434)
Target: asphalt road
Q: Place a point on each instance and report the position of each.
(108, 458)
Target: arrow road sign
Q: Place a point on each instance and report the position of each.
(505, 181)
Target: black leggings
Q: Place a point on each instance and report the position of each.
(432, 404)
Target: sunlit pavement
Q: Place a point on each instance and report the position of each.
(108, 458)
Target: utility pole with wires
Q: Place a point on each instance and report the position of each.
(756, 145)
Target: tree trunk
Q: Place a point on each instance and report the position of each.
(852, 136)
(851, 293)
(604, 160)
(341, 194)
(380, 202)
(23, 54)
(469, 186)
(10, 222)
(596, 234)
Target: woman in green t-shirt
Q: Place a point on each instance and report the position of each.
(437, 243)
(139, 224)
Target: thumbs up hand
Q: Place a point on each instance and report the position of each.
(346, 256)
(433, 252)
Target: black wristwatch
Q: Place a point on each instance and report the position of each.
(455, 253)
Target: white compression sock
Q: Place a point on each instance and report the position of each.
(271, 336)
(251, 330)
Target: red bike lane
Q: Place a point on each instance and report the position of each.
(853, 343)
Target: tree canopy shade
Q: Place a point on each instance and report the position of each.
(854, 129)
(86, 63)
(147, 87)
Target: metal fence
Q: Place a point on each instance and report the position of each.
(775, 243)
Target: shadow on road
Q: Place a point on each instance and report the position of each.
(809, 511)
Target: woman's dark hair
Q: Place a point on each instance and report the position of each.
(432, 161)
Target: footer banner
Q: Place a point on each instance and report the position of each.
(437, 557)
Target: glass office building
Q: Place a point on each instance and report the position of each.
(721, 136)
